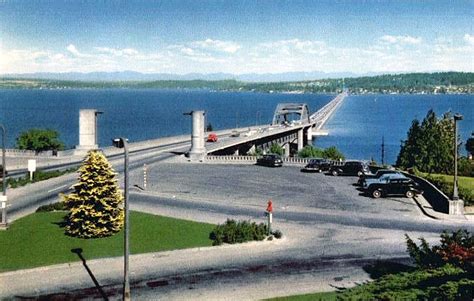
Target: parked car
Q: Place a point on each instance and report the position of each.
(235, 133)
(349, 168)
(272, 160)
(212, 137)
(392, 184)
(317, 165)
(376, 175)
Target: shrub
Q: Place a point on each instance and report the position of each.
(275, 148)
(232, 232)
(456, 249)
(277, 234)
(58, 206)
(310, 151)
(444, 283)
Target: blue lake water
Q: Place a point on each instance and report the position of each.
(356, 129)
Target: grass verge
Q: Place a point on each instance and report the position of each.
(38, 240)
(465, 182)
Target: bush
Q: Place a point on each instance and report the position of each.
(37, 177)
(456, 249)
(276, 148)
(277, 234)
(232, 232)
(310, 151)
(58, 206)
(444, 283)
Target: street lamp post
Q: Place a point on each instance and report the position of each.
(457, 117)
(97, 113)
(4, 180)
(123, 143)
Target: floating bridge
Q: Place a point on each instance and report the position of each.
(291, 134)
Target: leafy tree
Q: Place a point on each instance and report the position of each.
(310, 151)
(95, 207)
(39, 140)
(429, 145)
(333, 153)
(276, 148)
(470, 146)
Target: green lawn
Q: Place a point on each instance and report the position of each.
(38, 240)
(466, 182)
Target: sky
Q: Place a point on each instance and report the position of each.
(238, 37)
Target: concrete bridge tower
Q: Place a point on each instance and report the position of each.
(87, 130)
(198, 147)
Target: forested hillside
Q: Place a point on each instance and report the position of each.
(441, 82)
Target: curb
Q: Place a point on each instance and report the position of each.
(428, 210)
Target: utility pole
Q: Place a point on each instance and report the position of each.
(383, 150)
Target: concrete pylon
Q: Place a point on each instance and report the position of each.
(300, 139)
(310, 133)
(198, 147)
(87, 130)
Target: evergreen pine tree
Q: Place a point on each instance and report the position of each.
(96, 205)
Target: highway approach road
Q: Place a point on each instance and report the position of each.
(331, 234)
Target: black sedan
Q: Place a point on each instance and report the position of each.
(317, 165)
(271, 160)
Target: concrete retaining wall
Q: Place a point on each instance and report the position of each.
(437, 199)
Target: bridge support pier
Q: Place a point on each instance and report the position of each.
(198, 148)
(309, 133)
(87, 131)
(287, 149)
(300, 139)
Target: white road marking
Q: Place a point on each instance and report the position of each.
(57, 188)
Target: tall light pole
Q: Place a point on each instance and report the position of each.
(123, 143)
(4, 180)
(457, 117)
(97, 113)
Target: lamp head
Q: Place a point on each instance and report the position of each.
(457, 116)
(119, 142)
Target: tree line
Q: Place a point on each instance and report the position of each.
(439, 82)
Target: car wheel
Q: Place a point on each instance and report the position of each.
(320, 170)
(376, 194)
(359, 173)
(409, 194)
(334, 173)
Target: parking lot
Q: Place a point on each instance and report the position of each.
(251, 185)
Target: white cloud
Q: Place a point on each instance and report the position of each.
(117, 52)
(407, 40)
(385, 54)
(72, 49)
(469, 39)
(216, 45)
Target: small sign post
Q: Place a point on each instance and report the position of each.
(31, 168)
(270, 215)
(3, 207)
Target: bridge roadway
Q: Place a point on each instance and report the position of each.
(265, 132)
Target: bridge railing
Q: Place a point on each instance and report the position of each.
(253, 159)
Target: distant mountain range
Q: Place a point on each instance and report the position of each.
(137, 76)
